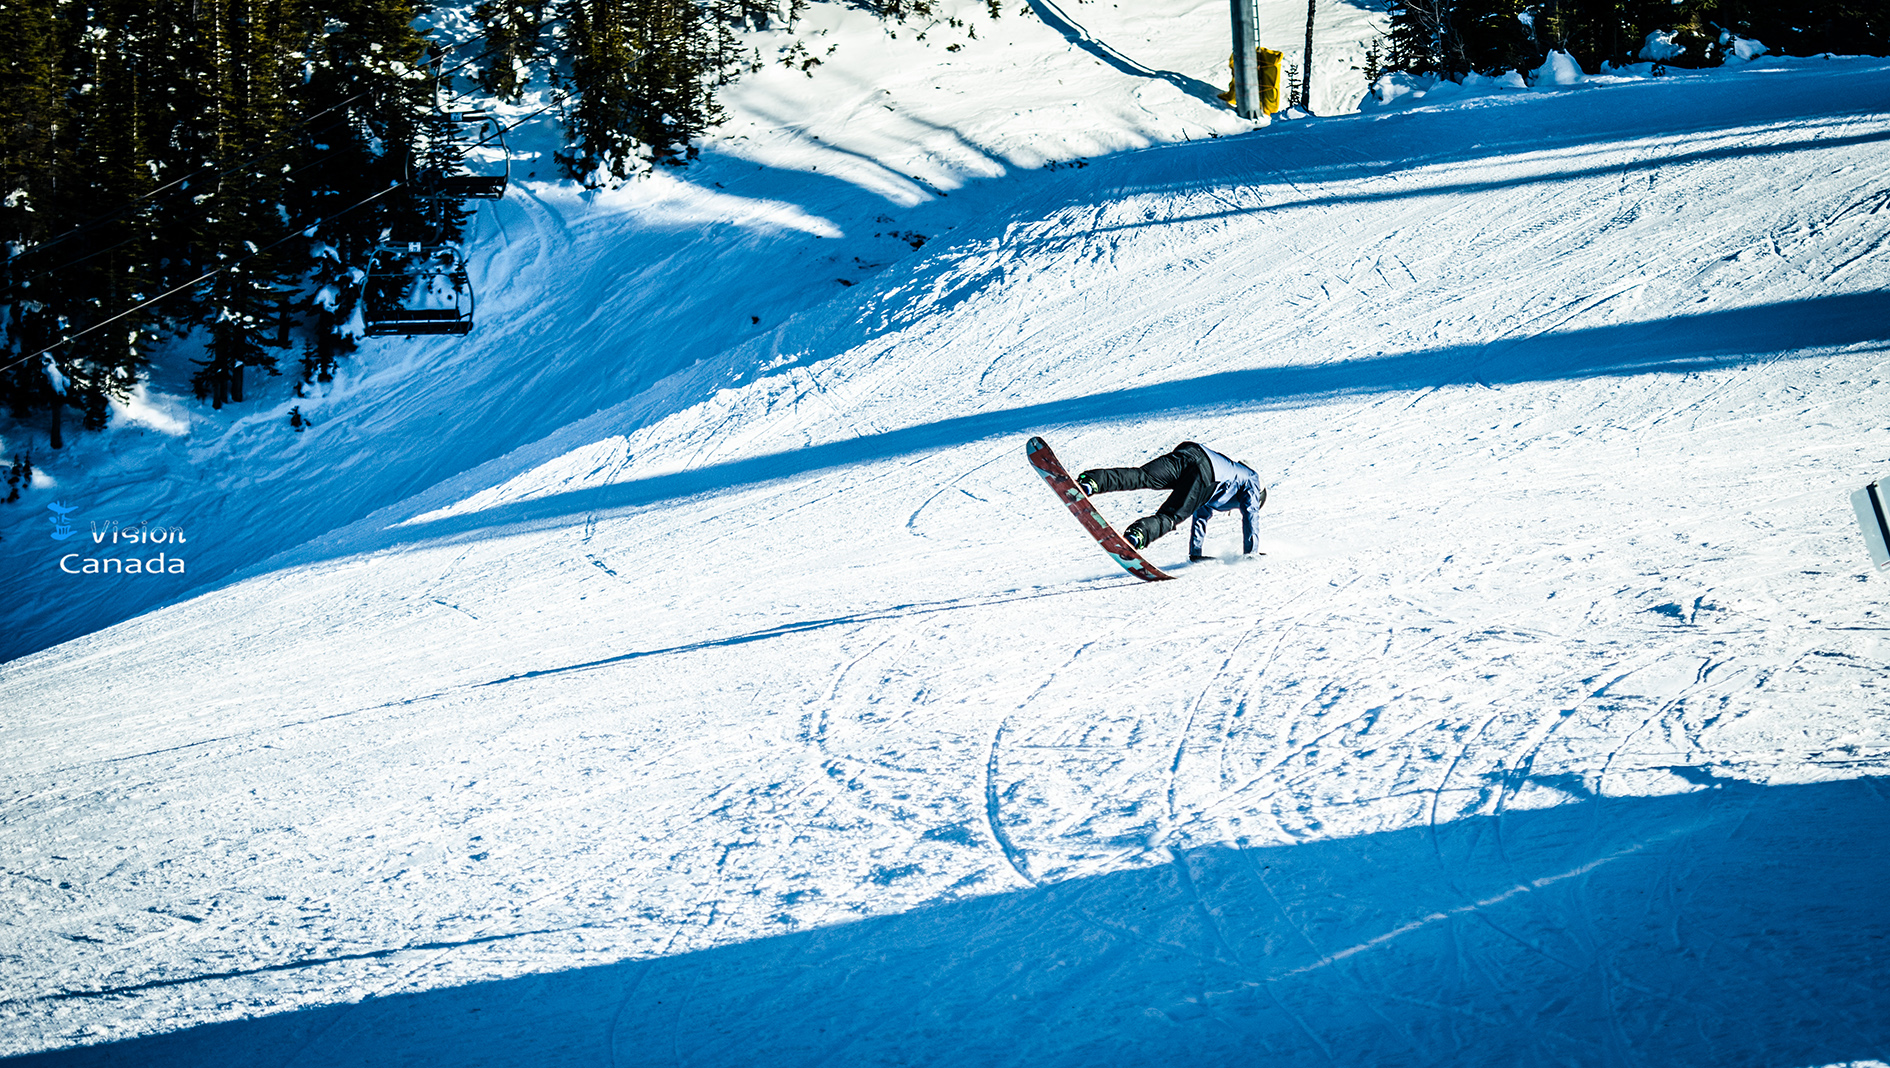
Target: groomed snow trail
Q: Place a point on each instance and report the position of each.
(800, 725)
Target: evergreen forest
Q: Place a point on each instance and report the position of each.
(1456, 38)
(217, 173)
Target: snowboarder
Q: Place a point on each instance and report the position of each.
(1201, 482)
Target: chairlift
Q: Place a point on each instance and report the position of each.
(461, 156)
(416, 289)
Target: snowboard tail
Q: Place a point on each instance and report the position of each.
(1080, 506)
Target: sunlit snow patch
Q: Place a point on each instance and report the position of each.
(662, 200)
(159, 412)
(592, 464)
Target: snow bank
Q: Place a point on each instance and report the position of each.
(1661, 45)
(1559, 68)
(1740, 49)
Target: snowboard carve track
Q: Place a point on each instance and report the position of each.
(1012, 854)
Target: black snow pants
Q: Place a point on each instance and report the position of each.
(1187, 473)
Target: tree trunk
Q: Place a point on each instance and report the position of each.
(1305, 77)
(58, 417)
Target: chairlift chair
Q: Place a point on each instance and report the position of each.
(414, 288)
(462, 156)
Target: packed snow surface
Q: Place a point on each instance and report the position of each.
(746, 699)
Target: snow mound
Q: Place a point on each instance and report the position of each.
(1661, 45)
(1559, 68)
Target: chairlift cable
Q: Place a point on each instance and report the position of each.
(15, 293)
(559, 97)
(137, 203)
(212, 273)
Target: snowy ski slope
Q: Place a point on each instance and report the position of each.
(585, 299)
(775, 714)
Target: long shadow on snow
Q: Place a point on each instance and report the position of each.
(898, 611)
(1674, 346)
(1371, 146)
(561, 366)
(1057, 19)
(1780, 113)
(1736, 925)
(1472, 188)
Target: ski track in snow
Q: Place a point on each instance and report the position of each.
(777, 714)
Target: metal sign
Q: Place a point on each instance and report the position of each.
(1873, 516)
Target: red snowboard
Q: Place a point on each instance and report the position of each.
(1079, 505)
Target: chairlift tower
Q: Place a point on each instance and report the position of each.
(1246, 60)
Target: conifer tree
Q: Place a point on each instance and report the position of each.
(1423, 38)
(104, 271)
(33, 113)
(514, 31)
(246, 215)
(600, 128)
(645, 74)
(1455, 37)
(175, 147)
(1495, 39)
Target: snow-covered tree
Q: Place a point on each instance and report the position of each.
(644, 74)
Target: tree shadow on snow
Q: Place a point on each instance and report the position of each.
(1682, 345)
(564, 366)
(1734, 925)
(1668, 121)
(1059, 20)
(1565, 171)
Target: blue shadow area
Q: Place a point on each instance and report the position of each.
(1735, 925)
(1473, 146)
(1546, 176)
(1674, 346)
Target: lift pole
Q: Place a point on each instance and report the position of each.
(1246, 62)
